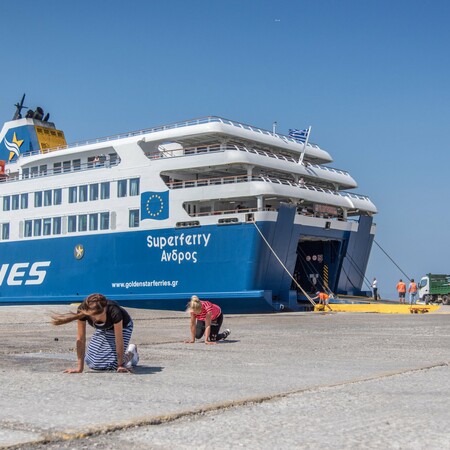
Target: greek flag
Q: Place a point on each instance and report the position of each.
(300, 135)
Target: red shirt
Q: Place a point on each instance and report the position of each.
(208, 307)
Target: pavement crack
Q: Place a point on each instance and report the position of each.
(69, 435)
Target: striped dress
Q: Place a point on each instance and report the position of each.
(101, 352)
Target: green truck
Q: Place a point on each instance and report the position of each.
(435, 288)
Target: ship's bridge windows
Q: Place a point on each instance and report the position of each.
(57, 196)
(24, 201)
(6, 203)
(72, 194)
(5, 231)
(15, 201)
(93, 192)
(48, 198)
(37, 199)
(133, 218)
(105, 190)
(122, 188)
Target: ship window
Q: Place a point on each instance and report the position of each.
(57, 167)
(82, 222)
(43, 170)
(134, 218)
(47, 198)
(104, 191)
(57, 196)
(72, 224)
(6, 203)
(76, 164)
(93, 222)
(134, 186)
(28, 228)
(5, 231)
(15, 201)
(93, 192)
(113, 158)
(72, 195)
(83, 193)
(37, 227)
(26, 173)
(122, 188)
(47, 230)
(66, 166)
(104, 221)
(23, 201)
(56, 225)
(34, 172)
(37, 199)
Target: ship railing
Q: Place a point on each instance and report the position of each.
(245, 210)
(264, 178)
(58, 171)
(189, 151)
(186, 123)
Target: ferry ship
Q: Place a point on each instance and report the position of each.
(234, 213)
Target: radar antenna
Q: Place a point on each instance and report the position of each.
(19, 106)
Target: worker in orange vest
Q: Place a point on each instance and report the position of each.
(323, 299)
(401, 289)
(412, 289)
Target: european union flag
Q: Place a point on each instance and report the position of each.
(155, 205)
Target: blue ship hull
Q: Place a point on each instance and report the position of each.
(161, 269)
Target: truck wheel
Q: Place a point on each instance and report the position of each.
(427, 299)
(445, 300)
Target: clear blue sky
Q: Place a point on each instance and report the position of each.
(371, 77)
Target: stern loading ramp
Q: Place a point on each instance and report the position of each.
(352, 304)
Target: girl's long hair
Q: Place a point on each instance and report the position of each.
(194, 305)
(92, 305)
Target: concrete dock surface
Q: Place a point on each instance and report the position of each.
(285, 380)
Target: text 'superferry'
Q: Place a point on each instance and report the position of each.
(208, 206)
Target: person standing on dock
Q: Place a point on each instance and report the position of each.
(412, 289)
(401, 289)
(375, 288)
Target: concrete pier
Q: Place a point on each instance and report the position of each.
(286, 380)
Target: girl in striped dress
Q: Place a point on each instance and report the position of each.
(206, 318)
(113, 328)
